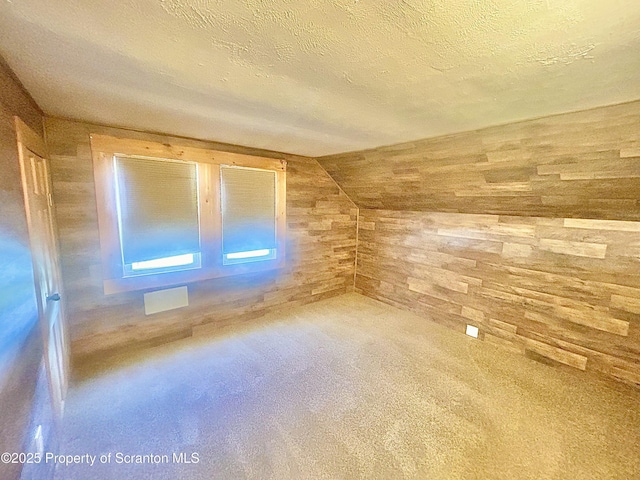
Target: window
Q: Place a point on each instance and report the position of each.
(248, 215)
(159, 232)
(169, 214)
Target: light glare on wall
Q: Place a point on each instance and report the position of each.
(175, 261)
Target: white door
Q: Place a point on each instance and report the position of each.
(36, 184)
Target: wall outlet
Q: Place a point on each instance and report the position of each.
(472, 331)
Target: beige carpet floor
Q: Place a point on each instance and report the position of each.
(346, 388)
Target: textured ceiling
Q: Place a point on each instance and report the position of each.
(315, 76)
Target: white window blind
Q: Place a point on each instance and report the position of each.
(158, 211)
(248, 210)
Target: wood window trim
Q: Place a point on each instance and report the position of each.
(104, 148)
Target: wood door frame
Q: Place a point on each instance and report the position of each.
(30, 140)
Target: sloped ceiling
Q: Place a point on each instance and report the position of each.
(316, 77)
(575, 165)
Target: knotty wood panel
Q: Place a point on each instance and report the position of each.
(578, 165)
(559, 290)
(321, 243)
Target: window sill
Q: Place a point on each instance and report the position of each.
(161, 280)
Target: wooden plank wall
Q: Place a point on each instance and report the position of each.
(321, 243)
(565, 291)
(579, 165)
(530, 231)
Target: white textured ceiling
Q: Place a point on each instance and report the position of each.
(316, 76)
